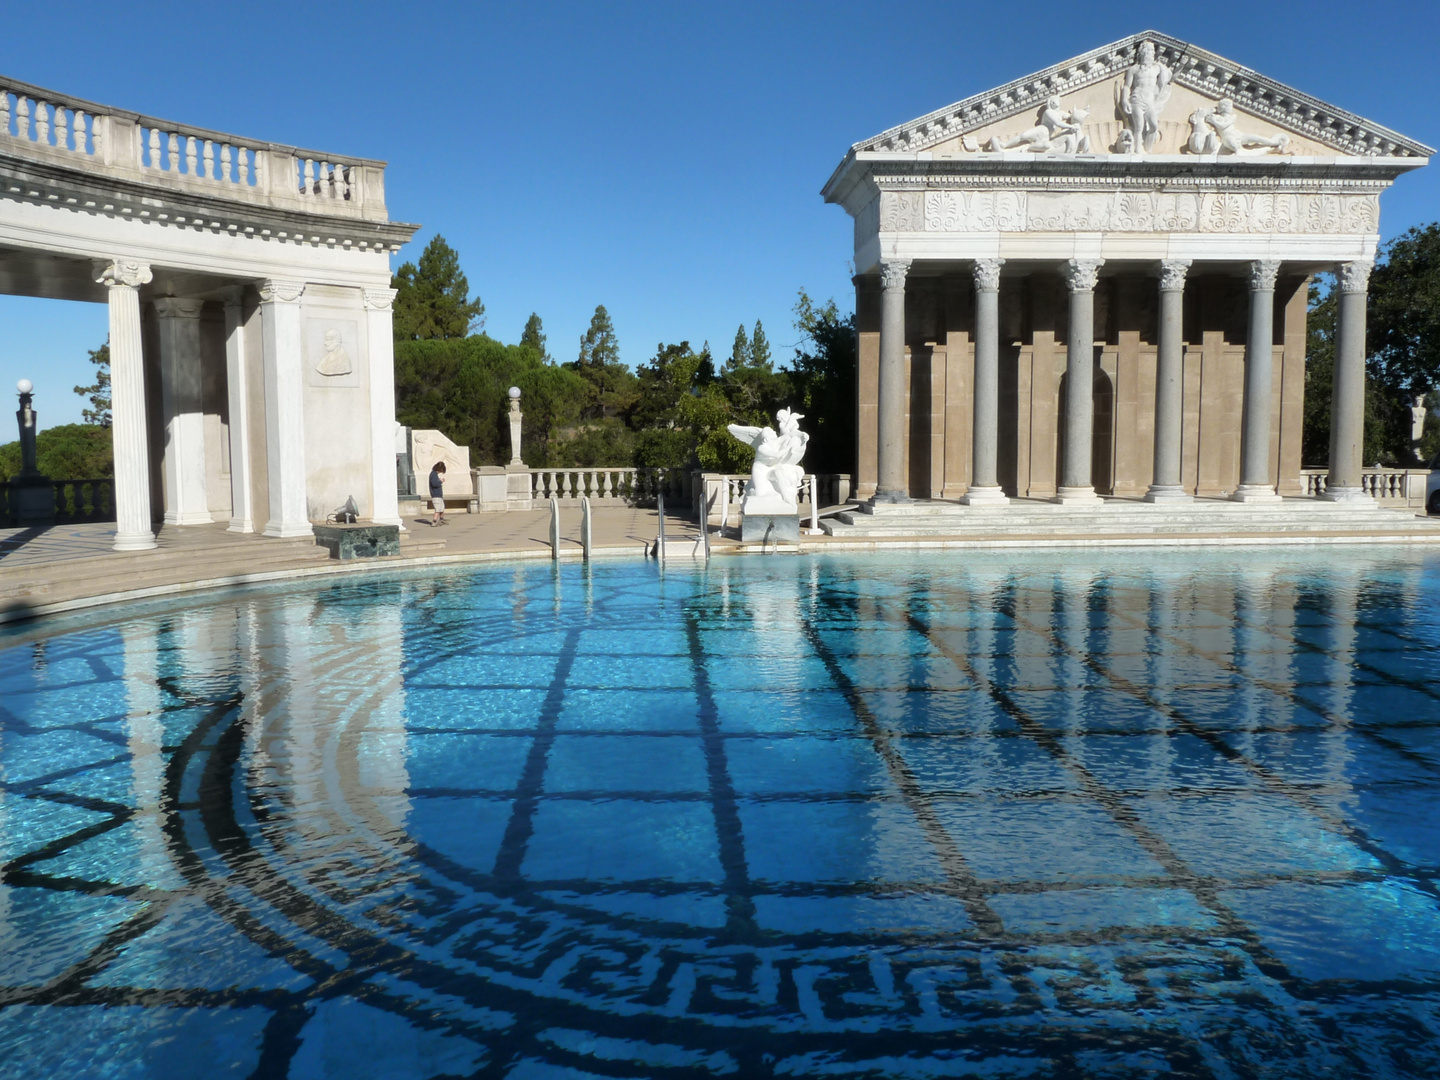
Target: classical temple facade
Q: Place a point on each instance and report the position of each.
(248, 284)
(1142, 222)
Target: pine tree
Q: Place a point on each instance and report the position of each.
(433, 299)
(740, 351)
(99, 392)
(599, 364)
(759, 349)
(534, 336)
(598, 345)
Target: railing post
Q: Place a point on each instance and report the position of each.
(585, 528)
(660, 535)
(554, 530)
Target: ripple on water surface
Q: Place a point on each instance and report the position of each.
(1103, 815)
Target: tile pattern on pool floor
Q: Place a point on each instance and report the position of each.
(1156, 814)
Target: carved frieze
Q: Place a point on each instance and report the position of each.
(1287, 213)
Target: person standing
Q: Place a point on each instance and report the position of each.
(437, 494)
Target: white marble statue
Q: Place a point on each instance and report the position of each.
(1055, 132)
(775, 478)
(1226, 139)
(336, 360)
(1143, 97)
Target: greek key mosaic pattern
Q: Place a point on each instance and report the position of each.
(1158, 814)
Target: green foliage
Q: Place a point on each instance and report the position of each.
(99, 391)
(432, 300)
(65, 452)
(534, 336)
(759, 348)
(612, 384)
(1403, 317)
(825, 388)
(740, 351)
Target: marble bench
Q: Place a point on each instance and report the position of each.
(358, 541)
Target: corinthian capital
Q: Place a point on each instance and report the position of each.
(892, 273)
(284, 292)
(379, 299)
(1172, 274)
(1262, 275)
(1354, 276)
(987, 274)
(126, 273)
(1081, 274)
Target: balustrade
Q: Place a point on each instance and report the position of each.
(1392, 487)
(75, 500)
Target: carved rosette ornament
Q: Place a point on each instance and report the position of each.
(379, 299)
(1354, 277)
(1172, 274)
(893, 272)
(123, 273)
(1262, 275)
(987, 274)
(284, 292)
(1081, 274)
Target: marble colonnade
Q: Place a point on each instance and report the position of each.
(1348, 403)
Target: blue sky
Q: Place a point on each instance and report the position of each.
(662, 159)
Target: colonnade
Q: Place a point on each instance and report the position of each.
(1075, 486)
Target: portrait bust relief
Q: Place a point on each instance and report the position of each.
(335, 360)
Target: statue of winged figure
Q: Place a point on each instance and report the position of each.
(775, 478)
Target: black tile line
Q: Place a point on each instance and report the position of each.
(1276, 783)
(961, 879)
(1151, 842)
(71, 981)
(729, 837)
(532, 777)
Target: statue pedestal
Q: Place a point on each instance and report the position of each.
(32, 499)
(769, 528)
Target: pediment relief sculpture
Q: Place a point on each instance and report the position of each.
(1055, 132)
(1214, 132)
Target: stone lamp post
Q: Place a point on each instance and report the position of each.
(518, 482)
(32, 498)
(515, 417)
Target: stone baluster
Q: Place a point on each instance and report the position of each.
(1255, 484)
(22, 116)
(99, 125)
(243, 166)
(172, 153)
(154, 149)
(309, 177)
(79, 129)
(1076, 483)
(4, 112)
(190, 155)
(1345, 482)
(62, 129)
(225, 173)
(42, 123)
(1170, 385)
(209, 159)
(891, 486)
(984, 476)
(122, 279)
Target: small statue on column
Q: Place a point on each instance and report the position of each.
(32, 498)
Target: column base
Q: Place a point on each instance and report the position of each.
(1255, 493)
(141, 541)
(193, 517)
(1168, 493)
(890, 498)
(985, 496)
(277, 530)
(1345, 495)
(1077, 496)
(240, 525)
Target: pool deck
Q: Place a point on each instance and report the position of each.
(51, 569)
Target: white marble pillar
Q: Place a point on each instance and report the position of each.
(1076, 484)
(1169, 384)
(237, 391)
(1347, 405)
(984, 474)
(1255, 483)
(891, 485)
(122, 279)
(284, 408)
(182, 404)
(380, 336)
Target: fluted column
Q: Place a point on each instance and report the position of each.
(891, 485)
(1169, 383)
(379, 332)
(1075, 480)
(237, 392)
(122, 279)
(1347, 405)
(183, 407)
(1255, 483)
(984, 477)
(284, 408)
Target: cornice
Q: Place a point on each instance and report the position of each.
(1192, 67)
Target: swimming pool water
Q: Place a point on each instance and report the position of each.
(1111, 815)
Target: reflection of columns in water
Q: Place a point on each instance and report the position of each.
(1252, 591)
(144, 736)
(385, 742)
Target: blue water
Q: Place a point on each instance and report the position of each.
(1045, 815)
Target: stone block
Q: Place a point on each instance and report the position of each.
(358, 541)
(770, 528)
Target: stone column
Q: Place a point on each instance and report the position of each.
(1075, 481)
(1347, 407)
(182, 404)
(380, 336)
(891, 485)
(1255, 485)
(237, 393)
(1169, 384)
(284, 408)
(122, 279)
(984, 475)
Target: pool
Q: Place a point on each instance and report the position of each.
(1094, 814)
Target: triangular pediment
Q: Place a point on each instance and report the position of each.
(1090, 87)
